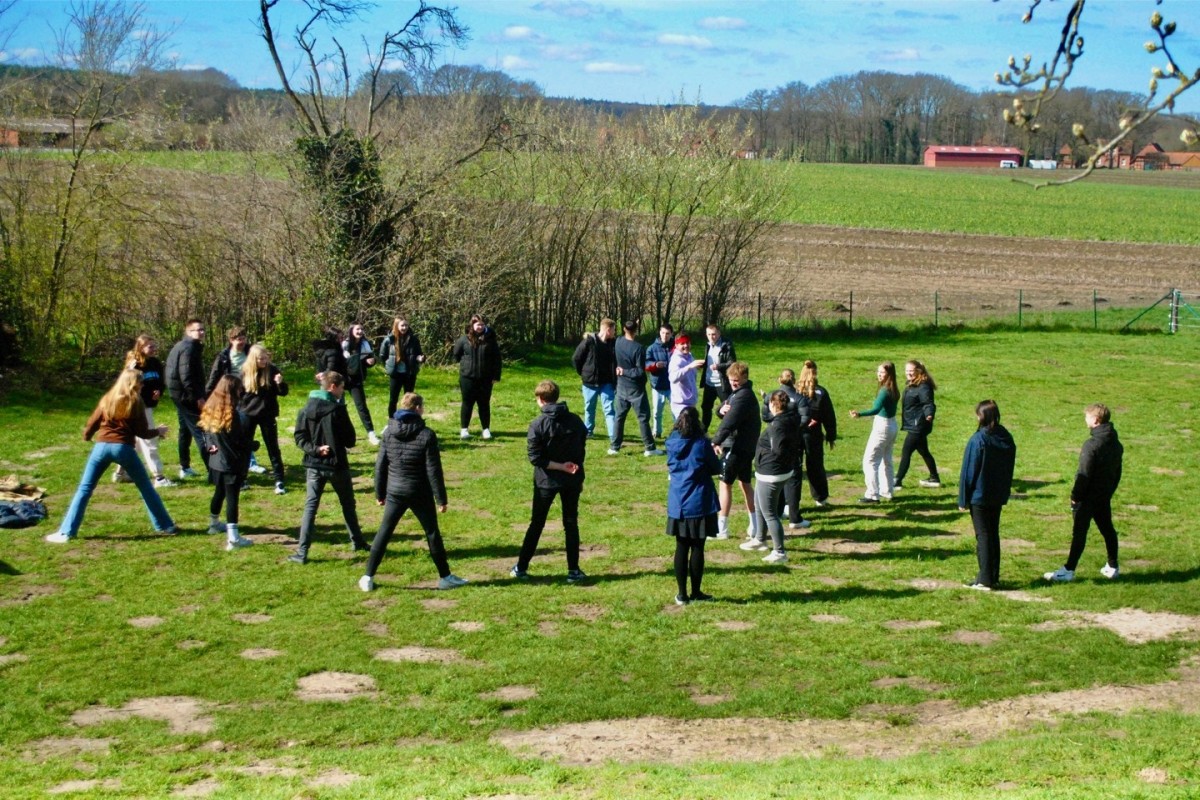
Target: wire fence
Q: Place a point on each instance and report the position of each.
(1174, 311)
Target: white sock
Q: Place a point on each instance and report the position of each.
(723, 525)
(231, 530)
(753, 525)
(214, 519)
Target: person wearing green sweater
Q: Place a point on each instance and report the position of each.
(877, 458)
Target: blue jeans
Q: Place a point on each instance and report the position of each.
(661, 401)
(606, 393)
(103, 454)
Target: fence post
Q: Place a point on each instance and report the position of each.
(1173, 325)
(1020, 308)
(851, 309)
(760, 312)
(935, 308)
(1095, 312)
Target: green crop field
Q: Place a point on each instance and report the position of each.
(137, 665)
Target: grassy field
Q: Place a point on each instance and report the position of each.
(133, 665)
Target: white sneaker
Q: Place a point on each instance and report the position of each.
(1110, 572)
(655, 452)
(121, 477)
(929, 484)
(240, 541)
(753, 544)
(464, 434)
(722, 535)
(1060, 575)
(280, 488)
(487, 433)
(612, 451)
(257, 469)
(58, 537)
(775, 557)
(188, 472)
(366, 583)
(163, 482)
(801, 524)
(371, 437)
(451, 582)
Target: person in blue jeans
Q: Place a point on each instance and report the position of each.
(119, 419)
(658, 359)
(595, 360)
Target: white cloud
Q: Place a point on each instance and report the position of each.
(613, 68)
(683, 40)
(515, 63)
(518, 33)
(905, 54)
(561, 52)
(722, 23)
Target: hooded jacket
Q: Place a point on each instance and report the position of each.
(185, 372)
(324, 421)
(328, 355)
(820, 408)
(556, 435)
(725, 357)
(596, 361)
(691, 465)
(987, 468)
(233, 448)
(660, 378)
(409, 464)
(779, 445)
(739, 428)
(915, 405)
(1099, 471)
(264, 403)
(480, 361)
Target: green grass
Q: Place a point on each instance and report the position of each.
(620, 648)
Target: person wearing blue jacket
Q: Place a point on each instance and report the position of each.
(984, 485)
(658, 359)
(691, 501)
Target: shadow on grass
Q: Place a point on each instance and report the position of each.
(8, 569)
(830, 595)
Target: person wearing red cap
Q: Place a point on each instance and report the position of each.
(682, 370)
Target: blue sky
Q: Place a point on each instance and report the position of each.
(653, 51)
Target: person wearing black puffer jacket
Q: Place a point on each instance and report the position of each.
(775, 458)
(800, 406)
(557, 445)
(478, 357)
(821, 428)
(734, 441)
(916, 418)
(408, 474)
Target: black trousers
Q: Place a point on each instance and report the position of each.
(542, 500)
(399, 383)
(425, 512)
(640, 404)
(189, 431)
(689, 563)
(359, 393)
(918, 441)
(475, 392)
(270, 435)
(227, 489)
(986, 520)
(814, 453)
(710, 397)
(1101, 512)
(343, 486)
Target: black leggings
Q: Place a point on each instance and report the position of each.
(270, 435)
(919, 441)
(399, 383)
(228, 489)
(814, 453)
(475, 391)
(423, 509)
(358, 392)
(689, 563)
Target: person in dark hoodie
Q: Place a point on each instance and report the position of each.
(262, 386)
(821, 428)
(735, 441)
(328, 354)
(185, 384)
(229, 442)
(916, 419)
(799, 406)
(557, 445)
(478, 355)
(595, 360)
(984, 485)
(691, 501)
(323, 432)
(1096, 481)
(775, 464)
(408, 474)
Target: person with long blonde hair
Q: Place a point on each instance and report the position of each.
(119, 419)
(227, 439)
(144, 357)
(877, 457)
(821, 428)
(402, 358)
(916, 418)
(262, 386)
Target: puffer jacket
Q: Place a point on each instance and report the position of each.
(779, 445)
(264, 403)
(409, 464)
(596, 361)
(480, 361)
(185, 372)
(916, 406)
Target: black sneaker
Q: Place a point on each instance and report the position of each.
(517, 572)
(680, 600)
(701, 597)
(869, 500)
(575, 576)
(359, 546)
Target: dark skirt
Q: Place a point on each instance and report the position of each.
(693, 527)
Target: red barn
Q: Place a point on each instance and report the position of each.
(979, 157)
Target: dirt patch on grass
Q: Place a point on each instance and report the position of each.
(260, 653)
(468, 626)
(890, 732)
(588, 612)
(1175, 473)
(12, 658)
(834, 619)
(333, 778)
(510, 694)
(146, 622)
(930, 584)
(973, 637)
(28, 594)
(335, 686)
(438, 604)
(71, 787)
(734, 625)
(201, 788)
(1135, 507)
(911, 624)
(548, 629)
(379, 629)
(60, 746)
(724, 557)
(191, 644)
(650, 564)
(1135, 625)
(703, 699)
(840, 546)
(182, 714)
(420, 655)
(267, 769)
(252, 619)
(911, 682)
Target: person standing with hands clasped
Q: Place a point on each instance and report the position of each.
(1096, 481)
(984, 486)
(557, 445)
(877, 458)
(408, 474)
(478, 355)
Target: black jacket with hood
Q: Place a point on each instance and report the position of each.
(478, 361)
(185, 372)
(739, 428)
(915, 406)
(409, 464)
(233, 448)
(1099, 471)
(556, 435)
(324, 421)
(596, 361)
